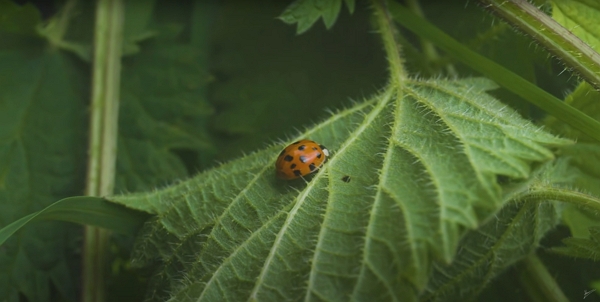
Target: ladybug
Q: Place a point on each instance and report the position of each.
(300, 159)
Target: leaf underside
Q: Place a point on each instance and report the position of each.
(407, 178)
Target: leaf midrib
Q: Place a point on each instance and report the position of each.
(341, 115)
(383, 102)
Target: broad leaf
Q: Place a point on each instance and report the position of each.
(406, 179)
(512, 234)
(42, 148)
(163, 108)
(579, 17)
(16, 19)
(307, 12)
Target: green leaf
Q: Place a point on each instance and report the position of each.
(584, 98)
(584, 156)
(42, 148)
(586, 248)
(18, 19)
(422, 171)
(510, 236)
(307, 12)
(163, 109)
(584, 174)
(579, 17)
(87, 210)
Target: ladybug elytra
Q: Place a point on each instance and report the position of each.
(300, 159)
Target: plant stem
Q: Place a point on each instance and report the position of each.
(554, 37)
(496, 72)
(388, 32)
(103, 137)
(578, 199)
(538, 282)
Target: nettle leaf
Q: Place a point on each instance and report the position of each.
(587, 248)
(512, 234)
(163, 108)
(579, 17)
(307, 12)
(42, 146)
(407, 178)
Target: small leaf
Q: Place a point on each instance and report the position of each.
(18, 19)
(307, 12)
(586, 248)
(423, 170)
(584, 98)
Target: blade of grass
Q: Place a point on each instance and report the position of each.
(496, 72)
(84, 210)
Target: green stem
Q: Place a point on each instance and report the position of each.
(496, 72)
(103, 137)
(538, 282)
(387, 29)
(578, 199)
(554, 37)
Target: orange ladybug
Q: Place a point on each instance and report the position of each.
(300, 159)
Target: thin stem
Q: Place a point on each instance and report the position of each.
(578, 199)
(388, 32)
(538, 282)
(554, 37)
(103, 137)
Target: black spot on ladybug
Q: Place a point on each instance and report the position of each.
(312, 167)
(296, 143)
(297, 173)
(314, 148)
(346, 179)
(302, 147)
(303, 158)
(293, 166)
(318, 155)
(289, 158)
(282, 152)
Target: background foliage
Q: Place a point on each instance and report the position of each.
(446, 172)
